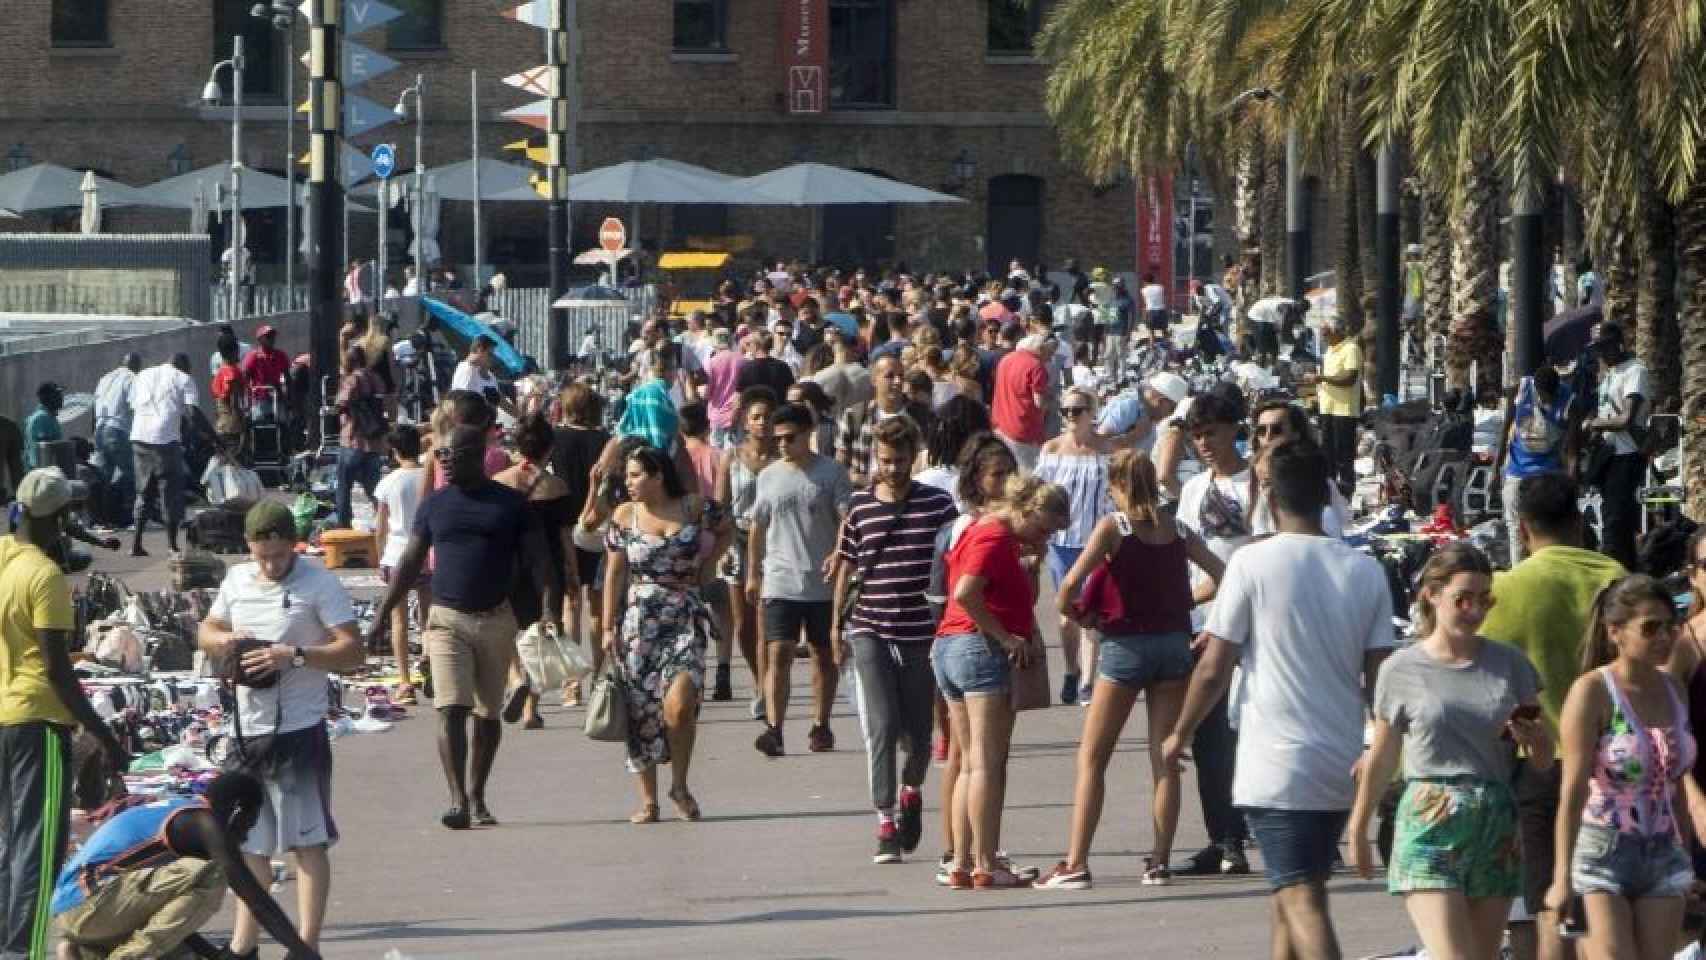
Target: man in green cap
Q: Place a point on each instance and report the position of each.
(43, 701)
(295, 624)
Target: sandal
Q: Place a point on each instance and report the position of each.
(406, 696)
(685, 805)
(647, 813)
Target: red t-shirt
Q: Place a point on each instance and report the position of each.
(1019, 380)
(990, 550)
(265, 368)
(227, 381)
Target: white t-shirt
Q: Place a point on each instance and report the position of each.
(470, 377)
(1615, 388)
(1222, 527)
(1321, 605)
(1332, 515)
(400, 492)
(946, 479)
(1154, 296)
(1266, 310)
(159, 396)
(298, 611)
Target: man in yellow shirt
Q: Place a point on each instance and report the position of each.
(40, 701)
(1340, 397)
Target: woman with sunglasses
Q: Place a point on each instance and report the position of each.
(1075, 460)
(1626, 744)
(988, 629)
(1458, 706)
(1276, 422)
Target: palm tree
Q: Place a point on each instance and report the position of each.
(1691, 223)
(1658, 341)
(1436, 261)
(1475, 281)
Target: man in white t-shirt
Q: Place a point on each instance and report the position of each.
(396, 499)
(1155, 313)
(159, 398)
(304, 623)
(1325, 618)
(1266, 317)
(1215, 505)
(474, 374)
(1625, 400)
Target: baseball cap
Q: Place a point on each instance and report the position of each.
(265, 330)
(46, 491)
(269, 518)
(1170, 385)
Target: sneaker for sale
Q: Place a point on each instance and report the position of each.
(1069, 689)
(939, 750)
(1233, 861)
(911, 818)
(723, 689)
(769, 742)
(1156, 876)
(1062, 877)
(998, 879)
(819, 739)
(888, 843)
(1207, 862)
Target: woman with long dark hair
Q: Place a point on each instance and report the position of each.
(550, 508)
(663, 546)
(737, 487)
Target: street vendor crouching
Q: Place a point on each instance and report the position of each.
(152, 875)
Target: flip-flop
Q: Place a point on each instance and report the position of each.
(455, 818)
(646, 814)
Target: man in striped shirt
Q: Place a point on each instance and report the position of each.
(888, 541)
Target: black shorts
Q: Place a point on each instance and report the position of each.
(586, 565)
(1537, 797)
(783, 620)
(1267, 338)
(1157, 320)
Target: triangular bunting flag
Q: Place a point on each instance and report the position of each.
(535, 81)
(535, 13)
(360, 64)
(362, 115)
(363, 15)
(536, 114)
(357, 165)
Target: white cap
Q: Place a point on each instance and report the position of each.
(1170, 385)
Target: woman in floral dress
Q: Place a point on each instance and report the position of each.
(662, 546)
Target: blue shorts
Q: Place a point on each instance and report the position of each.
(1060, 560)
(1298, 846)
(1629, 864)
(1141, 660)
(966, 666)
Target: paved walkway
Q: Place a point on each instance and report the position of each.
(780, 866)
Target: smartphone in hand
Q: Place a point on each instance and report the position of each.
(1573, 925)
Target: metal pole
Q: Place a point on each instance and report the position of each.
(474, 111)
(325, 190)
(420, 189)
(384, 234)
(290, 163)
(235, 278)
(1296, 230)
(1528, 275)
(1388, 298)
(560, 62)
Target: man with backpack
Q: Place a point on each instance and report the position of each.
(1535, 440)
(361, 431)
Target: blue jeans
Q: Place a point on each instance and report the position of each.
(1297, 845)
(119, 472)
(966, 665)
(1141, 660)
(355, 466)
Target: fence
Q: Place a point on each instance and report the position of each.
(259, 300)
(529, 309)
(163, 275)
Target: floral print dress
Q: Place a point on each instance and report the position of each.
(666, 626)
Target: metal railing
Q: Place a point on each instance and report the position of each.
(259, 300)
(529, 309)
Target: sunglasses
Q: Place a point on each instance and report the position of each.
(1271, 429)
(1073, 411)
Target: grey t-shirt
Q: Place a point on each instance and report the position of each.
(1452, 715)
(802, 510)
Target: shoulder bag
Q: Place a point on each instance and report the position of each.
(856, 579)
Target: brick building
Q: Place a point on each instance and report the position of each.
(941, 93)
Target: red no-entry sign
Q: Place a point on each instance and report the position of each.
(612, 236)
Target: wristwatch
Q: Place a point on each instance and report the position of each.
(300, 660)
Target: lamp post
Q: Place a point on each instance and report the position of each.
(284, 20)
(210, 95)
(402, 110)
(325, 192)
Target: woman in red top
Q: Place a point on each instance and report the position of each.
(988, 628)
(230, 391)
(1137, 590)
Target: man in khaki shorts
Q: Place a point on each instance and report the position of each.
(477, 530)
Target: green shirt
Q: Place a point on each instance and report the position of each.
(1542, 608)
(39, 427)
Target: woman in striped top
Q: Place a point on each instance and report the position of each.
(1074, 460)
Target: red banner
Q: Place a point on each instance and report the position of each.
(805, 55)
(1155, 230)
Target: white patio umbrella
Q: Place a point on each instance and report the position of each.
(819, 184)
(424, 220)
(261, 191)
(47, 186)
(498, 180)
(654, 181)
(90, 222)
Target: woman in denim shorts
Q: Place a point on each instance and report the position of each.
(1627, 742)
(1136, 579)
(987, 628)
(1457, 706)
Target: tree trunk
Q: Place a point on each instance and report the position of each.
(1691, 223)
(1350, 266)
(1273, 220)
(1614, 253)
(1247, 217)
(1436, 266)
(1658, 343)
(1475, 282)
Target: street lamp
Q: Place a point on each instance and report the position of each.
(284, 20)
(402, 110)
(210, 95)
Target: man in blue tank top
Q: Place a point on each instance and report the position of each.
(152, 875)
